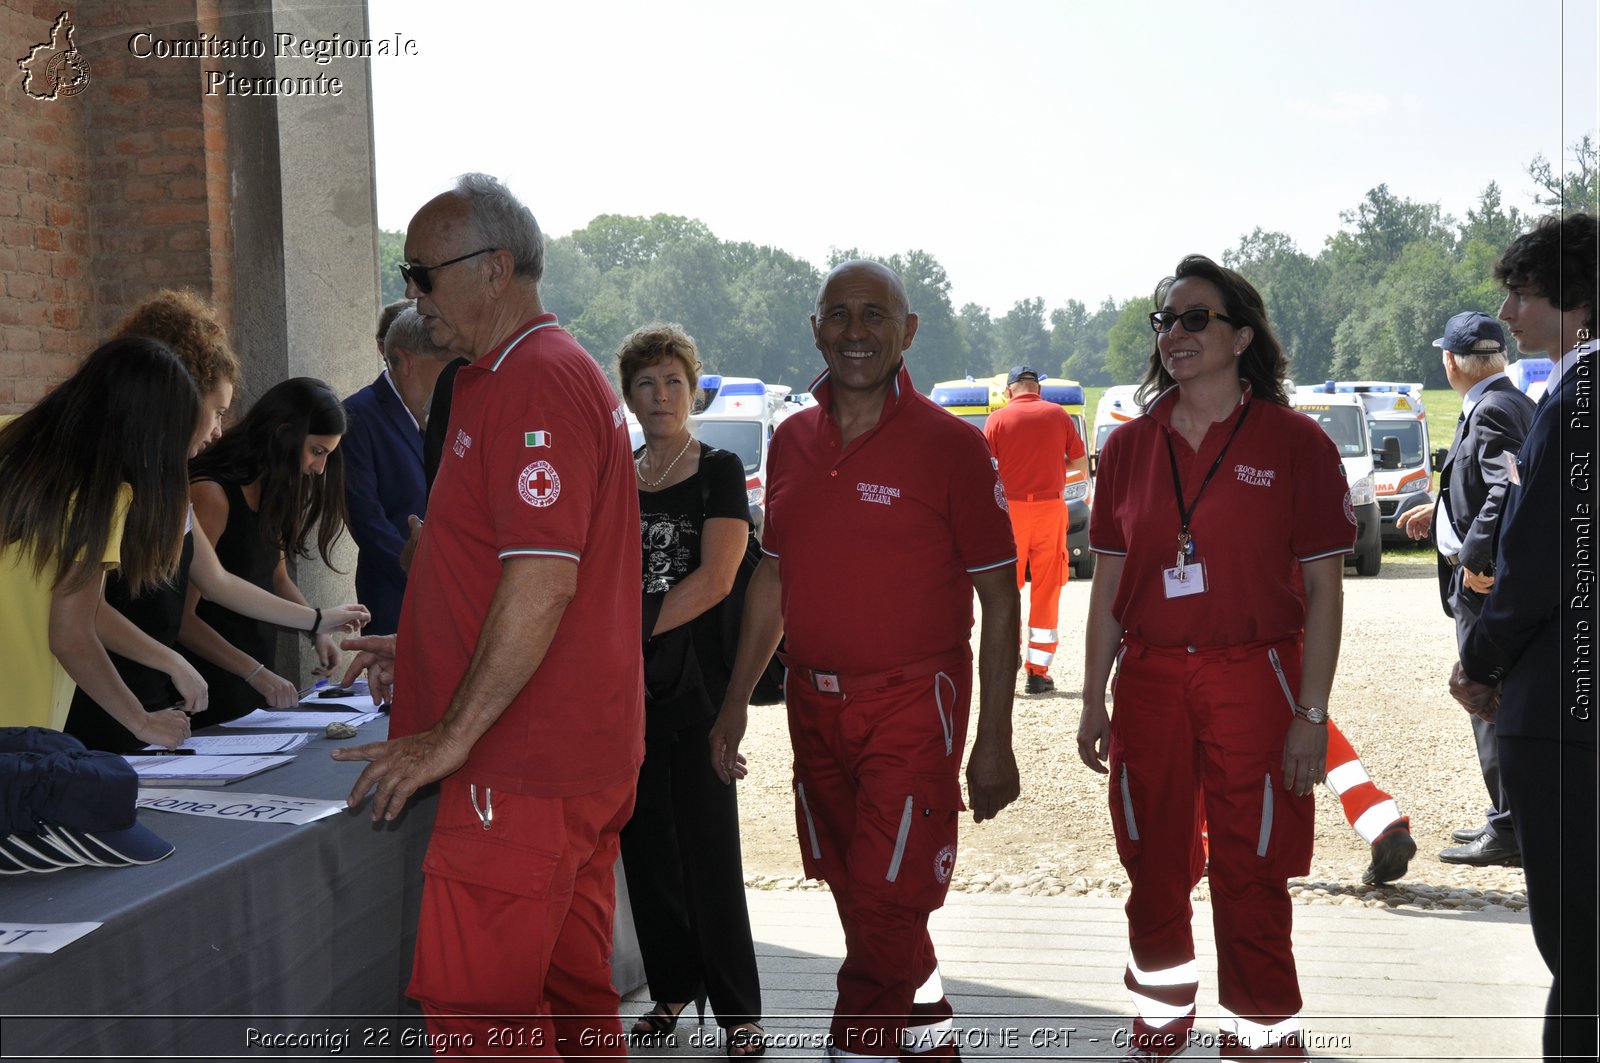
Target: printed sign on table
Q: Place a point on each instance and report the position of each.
(254, 808)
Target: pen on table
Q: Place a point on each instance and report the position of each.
(170, 752)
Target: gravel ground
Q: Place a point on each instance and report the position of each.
(1390, 699)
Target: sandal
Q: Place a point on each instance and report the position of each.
(657, 1023)
(750, 1039)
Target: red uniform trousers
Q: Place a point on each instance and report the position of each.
(1040, 529)
(514, 940)
(877, 800)
(1199, 735)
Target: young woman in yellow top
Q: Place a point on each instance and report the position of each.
(94, 476)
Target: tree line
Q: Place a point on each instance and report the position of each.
(1367, 305)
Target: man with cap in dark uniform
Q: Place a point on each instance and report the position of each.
(1465, 525)
(1035, 443)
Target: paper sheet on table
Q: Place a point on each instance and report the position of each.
(257, 808)
(201, 769)
(301, 719)
(243, 744)
(41, 938)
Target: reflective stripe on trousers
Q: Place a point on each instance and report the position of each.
(1164, 996)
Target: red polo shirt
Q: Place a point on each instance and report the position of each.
(1034, 440)
(536, 464)
(878, 539)
(1278, 499)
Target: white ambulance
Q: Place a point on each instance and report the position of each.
(1402, 473)
(1343, 416)
(739, 414)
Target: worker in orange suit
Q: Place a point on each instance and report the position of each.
(1035, 444)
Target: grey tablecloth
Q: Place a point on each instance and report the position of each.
(248, 926)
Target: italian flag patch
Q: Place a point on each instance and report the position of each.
(536, 439)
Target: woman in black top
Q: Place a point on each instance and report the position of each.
(257, 493)
(680, 851)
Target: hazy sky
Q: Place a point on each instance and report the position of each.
(1049, 148)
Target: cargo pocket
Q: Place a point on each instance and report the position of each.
(1130, 823)
(944, 701)
(1264, 839)
(905, 845)
(498, 858)
(1283, 680)
(810, 839)
(1124, 819)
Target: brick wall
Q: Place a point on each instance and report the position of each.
(107, 196)
(45, 279)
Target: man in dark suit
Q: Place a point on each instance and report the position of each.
(1536, 635)
(1465, 522)
(382, 449)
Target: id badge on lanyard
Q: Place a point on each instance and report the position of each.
(1188, 575)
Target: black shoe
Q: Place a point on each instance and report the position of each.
(1468, 834)
(1039, 684)
(1391, 853)
(1487, 851)
(658, 1023)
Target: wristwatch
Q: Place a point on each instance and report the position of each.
(1311, 715)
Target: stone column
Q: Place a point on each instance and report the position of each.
(305, 229)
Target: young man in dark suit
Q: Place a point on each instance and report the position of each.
(1465, 522)
(1529, 662)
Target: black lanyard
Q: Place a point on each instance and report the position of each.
(1186, 513)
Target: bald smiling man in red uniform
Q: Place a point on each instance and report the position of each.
(884, 514)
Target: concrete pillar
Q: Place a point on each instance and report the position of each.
(305, 234)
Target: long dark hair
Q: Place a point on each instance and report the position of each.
(125, 417)
(1262, 363)
(266, 445)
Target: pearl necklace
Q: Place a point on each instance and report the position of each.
(638, 466)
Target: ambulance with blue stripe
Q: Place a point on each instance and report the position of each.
(739, 414)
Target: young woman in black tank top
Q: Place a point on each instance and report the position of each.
(257, 493)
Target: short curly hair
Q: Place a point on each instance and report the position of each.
(184, 321)
(653, 345)
(1556, 260)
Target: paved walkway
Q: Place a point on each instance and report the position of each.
(1041, 978)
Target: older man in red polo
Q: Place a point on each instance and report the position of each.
(525, 586)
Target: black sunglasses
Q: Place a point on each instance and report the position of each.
(422, 276)
(1193, 320)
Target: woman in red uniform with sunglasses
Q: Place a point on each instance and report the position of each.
(1221, 519)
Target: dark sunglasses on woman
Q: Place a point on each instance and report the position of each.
(1162, 320)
